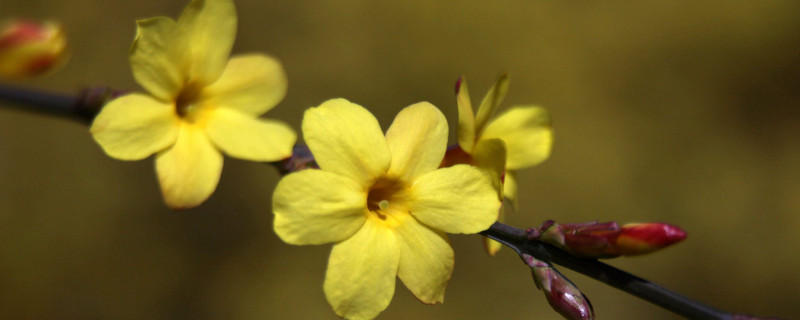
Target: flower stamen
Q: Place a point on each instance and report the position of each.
(383, 193)
(384, 204)
(186, 102)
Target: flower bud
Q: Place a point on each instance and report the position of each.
(608, 239)
(562, 295)
(30, 48)
(641, 238)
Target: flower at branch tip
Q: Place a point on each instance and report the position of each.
(519, 138)
(562, 295)
(199, 104)
(30, 48)
(608, 239)
(383, 202)
(641, 238)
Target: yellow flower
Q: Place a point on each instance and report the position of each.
(383, 202)
(29, 48)
(199, 103)
(525, 133)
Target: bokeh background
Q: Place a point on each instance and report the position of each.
(682, 112)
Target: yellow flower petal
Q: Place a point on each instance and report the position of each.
(490, 102)
(242, 136)
(189, 171)
(466, 117)
(426, 260)
(252, 84)
(210, 28)
(346, 139)
(458, 199)
(490, 156)
(417, 140)
(527, 133)
(490, 245)
(315, 207)
(360, 280)
(510, 188)
(134, 126)
(158, 57)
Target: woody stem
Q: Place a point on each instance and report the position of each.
(82, 107)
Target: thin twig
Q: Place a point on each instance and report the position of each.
(82, 107)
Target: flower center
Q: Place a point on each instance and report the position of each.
(384, 198)
(186, 104)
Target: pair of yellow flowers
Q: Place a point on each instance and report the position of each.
(382, 199)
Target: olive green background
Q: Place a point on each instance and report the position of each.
(676, 111)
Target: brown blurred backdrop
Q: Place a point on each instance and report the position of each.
(682, 112)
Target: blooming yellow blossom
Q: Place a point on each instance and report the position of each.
(199, 103)
(525, 133)
(29, 48)
(383, 202)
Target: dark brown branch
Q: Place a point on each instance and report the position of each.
(83, 107)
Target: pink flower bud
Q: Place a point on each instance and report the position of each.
(608, 240)
(562, 295)
(641, 238)
(590, 239)
(30, 48)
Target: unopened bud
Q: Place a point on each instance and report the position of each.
(585, 239)
(608, 239)
(562, 295)
(30, 48)
(641, 238)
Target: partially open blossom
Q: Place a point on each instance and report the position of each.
(383, 202)
(608, 239)
(199, 104)
(562, 295)
(30, 48)
(521, 137)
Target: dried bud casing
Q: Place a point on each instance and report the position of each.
(29, 48)
(300, 159)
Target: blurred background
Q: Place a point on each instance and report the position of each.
(679, 112)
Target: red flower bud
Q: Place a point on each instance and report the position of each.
(608, 240)
(30, 48)
(641, 238)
